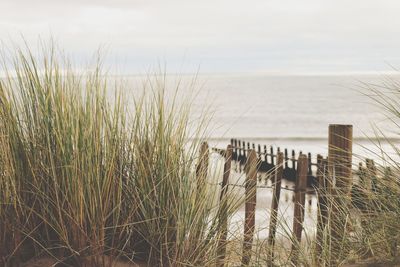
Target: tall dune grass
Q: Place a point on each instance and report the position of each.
(371, 213)
(85, 177)
(379, 235)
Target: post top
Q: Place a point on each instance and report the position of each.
(341, 125)
(302, 156)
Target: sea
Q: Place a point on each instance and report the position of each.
(288, 111)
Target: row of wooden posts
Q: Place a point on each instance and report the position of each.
(269, 161)
(338, 163)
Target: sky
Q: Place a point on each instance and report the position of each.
(215, 36)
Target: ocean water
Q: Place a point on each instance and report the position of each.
(258, 106)
(289, 111)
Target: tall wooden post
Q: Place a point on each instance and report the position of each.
(202, 166)
(240, 149)
(293, 159)
(286, 159)
(223, 219)
(250, 206)
(340, 181)
(271, 151)
(274, 209)
(236, 151)
(245, 152)
(300, 199)
(340, 156)
(309, 164)
(322, 213)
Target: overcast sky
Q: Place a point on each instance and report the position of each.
(309, 36)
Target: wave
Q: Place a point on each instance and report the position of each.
(304, 139)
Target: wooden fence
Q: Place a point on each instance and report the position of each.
(305, 173)
(268, 160)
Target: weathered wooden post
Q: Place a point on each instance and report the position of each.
(362, 179)
(293, 159)
(309, 164)
(389, 181)
(202, 166)
(371, 174)
(340, 181)
(300, 198)
(235, 151)
(340, 156)
(265, 154)
(274, 209)
(223, 219)
(250, 206)
(245, 152)
(271, 151)
(286, 159)
(322, 213)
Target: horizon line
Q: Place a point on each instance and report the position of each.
(266, 73)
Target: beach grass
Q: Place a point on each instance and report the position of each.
(86, 175)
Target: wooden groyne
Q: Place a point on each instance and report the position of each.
(331, 177)
(267, 160)
(251, 167)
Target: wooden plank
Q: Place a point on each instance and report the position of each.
(250, 206)
(300, 198)
(243, 157)
(236, 150)
(389, 181)
(265, 154)
(340, 156)
(202, 166)
(272, 155)
(293, 160)
(371, 174)
(223, 216)
(322, 213)
(286, 159)
(339, 181)
(361, 176)
(274, 208)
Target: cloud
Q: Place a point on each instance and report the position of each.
(237, 32)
